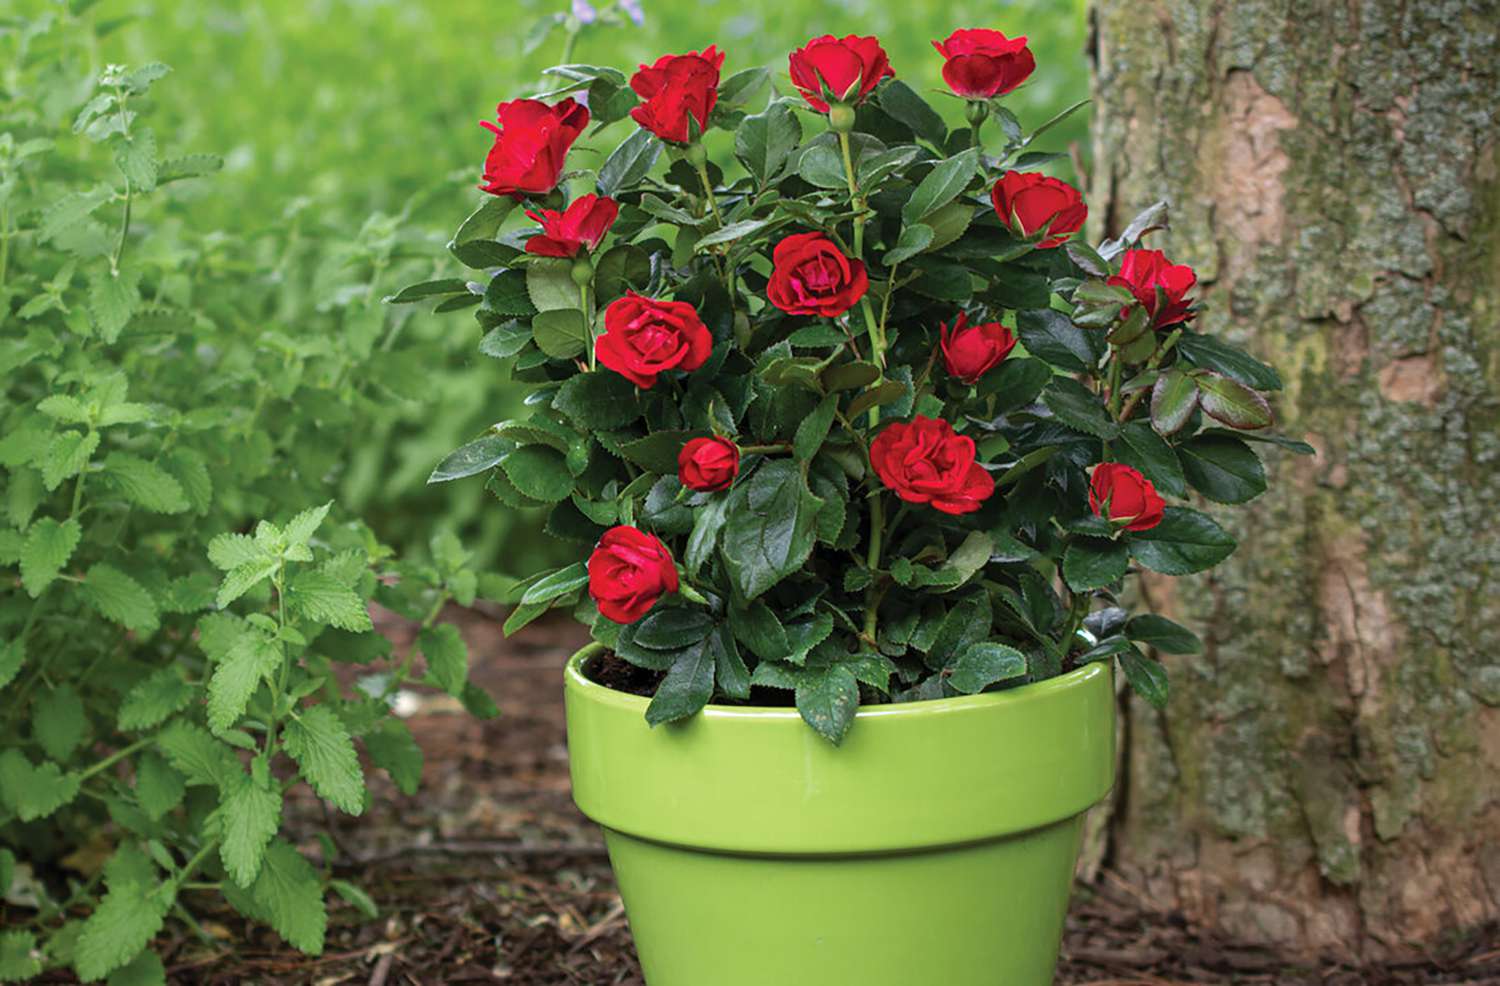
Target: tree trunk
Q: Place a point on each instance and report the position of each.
(1328, 772)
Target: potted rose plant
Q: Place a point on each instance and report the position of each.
(861, 444)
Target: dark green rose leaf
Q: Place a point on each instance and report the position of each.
(687, 688)
(765, 141)
(1163, 634)
(475, 457)
(427, 289)
(1015, 383)
(561, 333)
(759, 629)
(506, 339)
(1051, 336)
(1211, 354)
(672, 628)
(770, 529)
(1092, 563)
(1147, 677)
(1223, 468)
(828, 698)
(1185, 542)
(1078, 407)
(1142, 448)
(1173, 399)
(600, 399)
(902, 102)
(1231, 402)
(983, 664)
(944, 183)
(507, 295)
(539, 472)
(629, 162)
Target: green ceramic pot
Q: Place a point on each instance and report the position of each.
(935, 847)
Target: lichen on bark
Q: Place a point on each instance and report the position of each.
(1328, 772)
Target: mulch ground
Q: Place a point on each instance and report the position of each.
(490, 874)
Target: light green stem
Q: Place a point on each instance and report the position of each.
(113, 759)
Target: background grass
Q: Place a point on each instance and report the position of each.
(352, 109)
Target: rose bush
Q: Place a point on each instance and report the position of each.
(858, 418)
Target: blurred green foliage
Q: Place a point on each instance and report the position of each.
(337, 110)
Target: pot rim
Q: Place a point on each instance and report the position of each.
(1034, 691)
(908, 776)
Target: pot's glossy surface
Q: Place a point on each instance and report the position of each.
(935, 846)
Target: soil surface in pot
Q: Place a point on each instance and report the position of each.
(490, 875)
(612, 671)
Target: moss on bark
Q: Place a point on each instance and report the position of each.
(1329, 770)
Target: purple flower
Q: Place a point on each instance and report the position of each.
(633, 10)
(584, 12)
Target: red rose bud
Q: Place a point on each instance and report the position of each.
(643, 337)
(971, 351)
(708, 464)
(811, 276)
(579, 227)
(848, 68)
(531, 143)
(1145, 272)
(926, 461)
(628, 572)
(983, 64)
(674, 88)
(1029, 203)
(1121, 494)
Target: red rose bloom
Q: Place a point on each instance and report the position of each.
(674, 88)
(812, 276)
(848, 67)
(926, 461)
(1128, 497)
(971, 351)
(643, 337)
(983, 64)
(581, 226)
(1142, 272)
(531, 143)
(628, 572)
(708, 464)
(1029, 202)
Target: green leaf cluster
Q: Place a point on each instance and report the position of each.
(179, 592)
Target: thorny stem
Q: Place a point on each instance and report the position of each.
(588, 319)
(872, 561)
(877, 353)
(1078, 608)
(856, 202)
(701, 166)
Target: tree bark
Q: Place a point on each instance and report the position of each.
(1327, 775)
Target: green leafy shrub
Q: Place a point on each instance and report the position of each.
(174, 604)
(858, 422)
